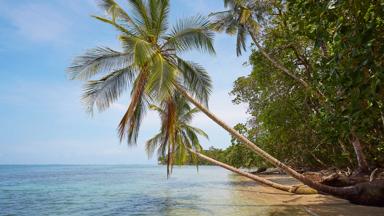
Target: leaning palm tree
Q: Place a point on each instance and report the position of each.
(242, 18)
(177, 141)
(176, 135)
(150, 63)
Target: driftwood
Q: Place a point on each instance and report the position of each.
(363, 188)
(373, 175)
(341, 178)
(267, 171)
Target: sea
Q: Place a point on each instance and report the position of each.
(138, 190)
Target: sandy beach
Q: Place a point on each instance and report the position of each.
(251, 192)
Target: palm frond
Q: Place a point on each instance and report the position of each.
(181, 152)
(136, 120)
(142, 50)
(113, 9)
(105, 91)
(197, 131)
(241, 18)
(241, 40)
(220, 21)
(157, 108)
(152, 144)
(191, 33)
(196, 80)
(161, 81)
(159, 10)
(187, 117)
(117, 26)
(192, 137)
(224, 13)
(98, 60)
(141, 11)
(233, 3)
(177, 136)
(129, 125)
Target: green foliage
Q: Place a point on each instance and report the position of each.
(337, 47)
(212, 152)
(176, 136)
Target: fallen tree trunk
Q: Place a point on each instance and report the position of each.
(368, 193)
(297, 189)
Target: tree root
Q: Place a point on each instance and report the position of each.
(368, 193)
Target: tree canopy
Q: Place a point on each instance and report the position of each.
(337, 48)
(149, 62)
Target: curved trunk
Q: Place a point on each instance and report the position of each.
(293, 188)
(285, 70)
(363, 193)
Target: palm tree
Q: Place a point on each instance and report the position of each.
(241, 19)
(176, 135)
(177, 138)
(150, 64)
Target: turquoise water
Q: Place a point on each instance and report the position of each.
(130, 190)
(107, 190)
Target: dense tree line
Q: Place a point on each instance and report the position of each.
(337, 48)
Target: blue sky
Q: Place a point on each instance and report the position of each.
(42, 118)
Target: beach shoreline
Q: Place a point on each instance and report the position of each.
(313, 204)
(146, 190)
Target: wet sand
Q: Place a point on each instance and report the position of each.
(284, 203)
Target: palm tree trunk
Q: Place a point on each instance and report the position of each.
(238, 136)
(169, 161)
(293, 189)
(371, 193)
(285, 70)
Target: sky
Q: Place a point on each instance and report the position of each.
(42, 120)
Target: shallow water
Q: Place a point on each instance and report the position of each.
(145, 190)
